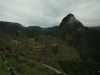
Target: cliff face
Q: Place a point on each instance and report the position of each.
(75, 34)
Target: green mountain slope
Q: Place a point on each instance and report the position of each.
(12, 28)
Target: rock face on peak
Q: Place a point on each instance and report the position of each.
(85, 40)
(70, 24)
(67, 17)
(70, 20)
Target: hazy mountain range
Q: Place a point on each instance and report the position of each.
(95, 28)
(12, 28)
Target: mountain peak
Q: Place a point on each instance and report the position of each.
(67, 17)
(70, 20)
(70, 24)
(70, 15)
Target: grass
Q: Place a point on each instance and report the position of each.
(37, 46)
(37, 67)
(14, 63)
(20, 57)
(33, 43)
(22, 50)
(3, 69)
(34, 69)
(26, 69)
(67, 52)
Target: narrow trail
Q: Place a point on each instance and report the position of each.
(58, 72)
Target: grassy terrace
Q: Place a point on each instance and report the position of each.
(3, 69)
(31, 47)
(14, 63)
(33, 43)
(27, 66)
(26, 69)
(38, 68)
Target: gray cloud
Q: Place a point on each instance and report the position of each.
(47, 13)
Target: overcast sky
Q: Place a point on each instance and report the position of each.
(47, 13)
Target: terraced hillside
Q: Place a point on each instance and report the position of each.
(53, 50)
(24, 61)
(48, 50)
(3, 68)
(26, 66)
(15, 64)
(37, 57)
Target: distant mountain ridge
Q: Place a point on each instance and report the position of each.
(95, 28)
(12, 28)
(85, 40)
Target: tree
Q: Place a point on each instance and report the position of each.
(33, 33)
(36, 38)
(50, 33)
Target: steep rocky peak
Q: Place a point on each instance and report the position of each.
(67, 17)
(72, 20)
(71, 23)
(70, 15)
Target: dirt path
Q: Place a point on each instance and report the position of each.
(58, 72)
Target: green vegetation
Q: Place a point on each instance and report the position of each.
(66, 52)
(22, 50)
(26, 69)
(55, 49)
(28, 66)
(33, 43)
(50, 33)
(38, 68)
(3, 69)
(33, 33)
(14, 63)
(85, 67)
